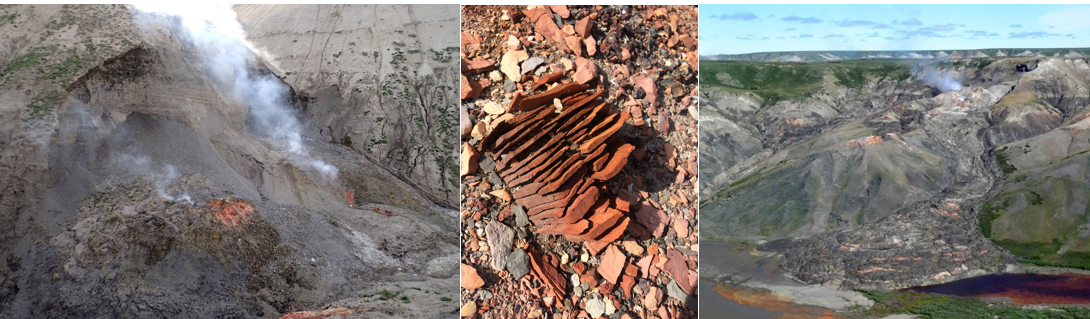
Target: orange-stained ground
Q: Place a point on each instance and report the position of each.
(782, 308)
(230, 211)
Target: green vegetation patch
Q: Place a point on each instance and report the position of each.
(44, 103)
(1001, 160)
(927, 305)
(776, 81)
(31, 59)
(1044, 254)
(1035, 221)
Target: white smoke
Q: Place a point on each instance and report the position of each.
(162, 176)
(945, 80)
(215, 32)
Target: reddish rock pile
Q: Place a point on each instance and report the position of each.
(555, 158)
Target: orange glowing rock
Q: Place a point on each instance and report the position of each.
(230, 211)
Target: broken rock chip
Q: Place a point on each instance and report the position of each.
(469, 159)
(652, 218)
(469, 277)
(518, 263)
(530, 64)
(612, 264)
(648, 86)
(587, 70)
(509, 64)
(582, 27)
(575, 45)
(592, 46)
(595, 307)
(491, 107)
(500, 238)
(561, 10)
(467, 89)
(678, 269)
(470, 67)
(652, 298)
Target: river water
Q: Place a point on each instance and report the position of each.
(1018, 288)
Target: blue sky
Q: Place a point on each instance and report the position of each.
(733, 29)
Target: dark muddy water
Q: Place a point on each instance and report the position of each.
(1019, 288)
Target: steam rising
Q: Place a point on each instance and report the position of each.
(162, 176)
(214, 31)
(944, 80)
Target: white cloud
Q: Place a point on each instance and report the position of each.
(1068, 19)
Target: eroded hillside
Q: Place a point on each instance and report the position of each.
(144, 174)
(885, 166)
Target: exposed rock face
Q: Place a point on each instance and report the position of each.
(886, 185)
(347, 62)
(134, 182)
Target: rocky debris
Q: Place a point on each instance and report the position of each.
(580, 140)
(318, 314)
(500, 237)
(580, 150)
(518, 263)
(469, 277)
(469, 159)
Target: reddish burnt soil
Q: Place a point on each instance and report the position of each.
(230, 211)
(778, 306)
(579, 160)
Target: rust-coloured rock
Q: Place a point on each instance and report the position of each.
(612, 264)
(470, 67)
(467, 89)
(649, 88)
(678, 269)
(582, 27)
(592, 46)
(586, 70)
(469, 277)
(620, 157)
(545, 80)
(547, 272)
(652, 218)
(469, 160)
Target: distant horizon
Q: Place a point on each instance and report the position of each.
(748, 29)
(949, 50)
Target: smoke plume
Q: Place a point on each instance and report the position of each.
(162, 176)
(945, 80)
(215, 33)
